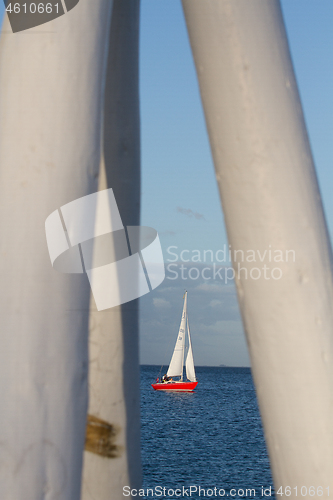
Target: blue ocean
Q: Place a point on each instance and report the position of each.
(205, 444)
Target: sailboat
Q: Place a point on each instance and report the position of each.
(176, 366)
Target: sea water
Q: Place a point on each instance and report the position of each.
(204, 444)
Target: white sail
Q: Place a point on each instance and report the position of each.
(177, 360)
(190, 371)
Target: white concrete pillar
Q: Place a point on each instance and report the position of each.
(51, 82)
(114, 363)
(271, 202)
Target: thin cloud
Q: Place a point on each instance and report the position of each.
(168, 233)
(211, 287)
(221, 327)
(190, 213)
(215, 303)
(161, 303)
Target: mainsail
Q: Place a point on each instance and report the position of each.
(190, 371)
(177, 360)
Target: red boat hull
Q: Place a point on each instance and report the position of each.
(175, 386)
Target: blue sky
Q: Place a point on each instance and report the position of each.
(179, 193)
(176, 160)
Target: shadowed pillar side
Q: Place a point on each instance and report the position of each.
(114, 362)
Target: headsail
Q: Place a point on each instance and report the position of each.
(177, 360)
(190, 371)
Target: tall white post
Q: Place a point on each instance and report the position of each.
(114, 364)
(272, 204)
(51, 83)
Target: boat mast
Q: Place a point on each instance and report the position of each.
(185, 310)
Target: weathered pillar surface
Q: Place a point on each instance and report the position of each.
(51, 80)
(114, 364)
(271, 201)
